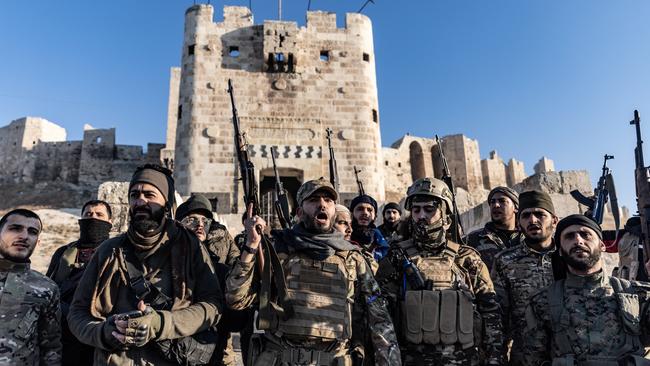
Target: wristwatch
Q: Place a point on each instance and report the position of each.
(249, 249)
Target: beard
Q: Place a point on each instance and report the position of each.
(311, 224)
(581, 264)
(146, 225)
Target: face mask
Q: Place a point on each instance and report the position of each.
(428, 236)
(93, 231)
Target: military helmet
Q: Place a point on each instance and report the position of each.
(429, 187)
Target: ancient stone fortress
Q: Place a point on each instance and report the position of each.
(34, 150)
(291, 83)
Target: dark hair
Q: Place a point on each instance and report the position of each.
(20, 212)
(97, 203)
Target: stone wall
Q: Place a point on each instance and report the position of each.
(290, 84)
(494, 171)
(544, 165)
(558, 185)
(34, 150)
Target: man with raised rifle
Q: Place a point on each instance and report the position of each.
(307, 307)
(589, 318)
(148, 296)
(439, 292)
(526, 267)
(501, 232)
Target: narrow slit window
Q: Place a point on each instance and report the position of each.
(190, 50)
(233, 51)
(324, 55)
(366, 57)
(375, 116)
(180, 111)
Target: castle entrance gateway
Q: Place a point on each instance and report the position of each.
(291, 179)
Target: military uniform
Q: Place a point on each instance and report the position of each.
(489, 241)
(588, 320)
(453, 317)
(518, 273)
(324, 294)
(30, 318)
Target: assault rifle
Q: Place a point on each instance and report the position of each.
(334, 173)
(272, 273)
(281, 201)
(246, 167)
(604, 189)
(456, 226)
(411, 271)
(359, 183)
(642, 180)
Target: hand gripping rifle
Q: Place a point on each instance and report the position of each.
(272, 273)
(642, 180)
(456, 226)
(281, 200)
(359, 182)
(334, 173)
(604, 190)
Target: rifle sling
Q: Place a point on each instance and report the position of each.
(144, 290)
(272, 274)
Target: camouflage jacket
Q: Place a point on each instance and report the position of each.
(488, 242)
(30, 317)
(390, 278)
(242, 287)
(596, 325)
(518, 273)
(221, 245)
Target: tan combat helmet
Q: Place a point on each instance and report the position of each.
(429, 187)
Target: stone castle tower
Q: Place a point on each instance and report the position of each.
(290, 83)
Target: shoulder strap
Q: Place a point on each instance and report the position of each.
(454, 247)
(140, 285)
(66, 261)
(272, 277)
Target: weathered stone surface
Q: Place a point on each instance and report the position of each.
(117, 195)
(35, 150)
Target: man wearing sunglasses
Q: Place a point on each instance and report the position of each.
(196, 215)
(439, 292)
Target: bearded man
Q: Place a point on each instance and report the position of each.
(149, 296)
(312, 291)
(588, 318)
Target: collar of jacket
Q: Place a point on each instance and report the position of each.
(528, 250)
(9, 266)
(594, 280)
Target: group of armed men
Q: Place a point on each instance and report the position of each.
(333, 289)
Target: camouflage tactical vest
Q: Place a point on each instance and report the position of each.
(565, 338)
(443, 313)
(319, 292)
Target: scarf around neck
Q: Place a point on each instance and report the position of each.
(316, 245)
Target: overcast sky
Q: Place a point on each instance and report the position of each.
(525, 78)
